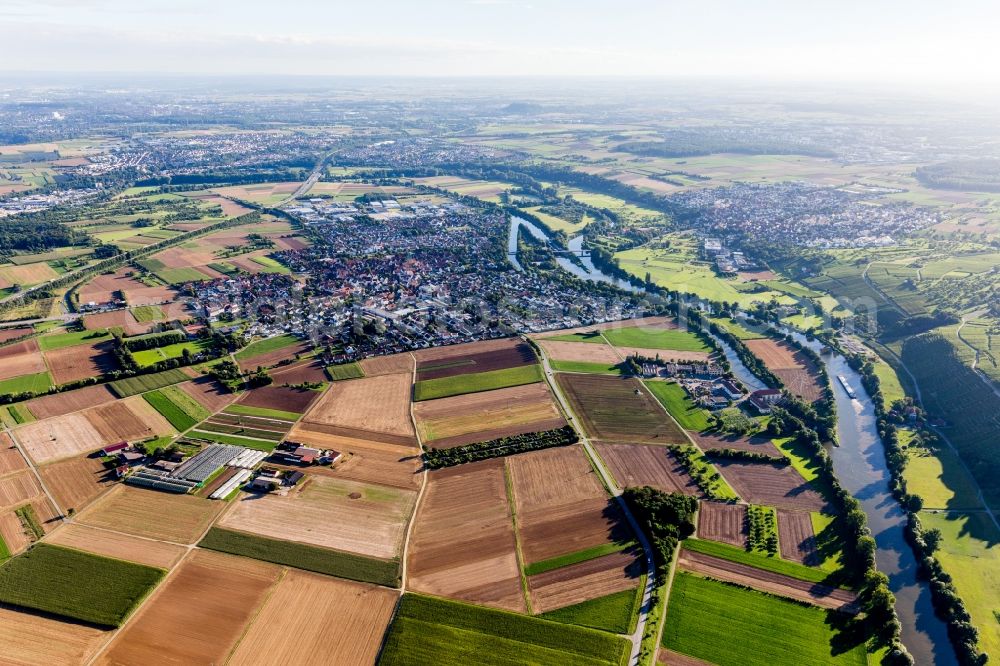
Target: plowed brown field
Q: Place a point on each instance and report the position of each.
(796, 538)
(477, 417)
(122, 318)
(761, 445)
(770, 485)
(369, 407)
(817, 594)
(128, 420)
(484, 356)
(141, 512)
(462, 545)
(619, 409)
(644, 465)
(209, 393)
(21, 358)
(269, 359)
(313, 620)
(197, 616)
(330, 513)
(298, 373)
(12, 532)
(278, 397)
(70, 364)
(119, 546)
(59, 404)
(584, 581)
(726, 523)
(77, 481)
(33, 640)
(561, 505)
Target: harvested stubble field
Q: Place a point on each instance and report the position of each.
(331, 513)
(310, 619)
(208, 393)
(59, 437)
(643, 465)
(74, 483)
(18, 488)
(21, 358)
(29, 639)
(584, 581)
(70, 364)
(198, 616)
(11, 459)
(479, 417)
(770, 485)
(129, 420)
(372, 407)
(140, 512)
(583, 352)
(618, 409)
(792, 367)
(561, 505)
(483, 356)
(118, 546)
(117, 318)
(364, 460)
(393, 364)
(462, 545)
(60, 404)
(726, 523)
(796, 538)
(11, 332)
(279, 397)
(757, 444)
(817, 594)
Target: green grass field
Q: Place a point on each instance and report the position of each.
(181, 275)
(345, 371)
(20, 414)
(676, 400)
(75, 584)
(262, 411)
(741, 332)
(729, 625)
(443, 387)
(614, 613)
(221, 438)
(585, 366)
(892, 389)
(436, 631)
(59, 340)
(123, 388)
(573, 558)
(148, 357)
(38, 383)
(265, 346)
(271, 265)
(650, 338)
(970, 553)
(145, 313)
(303, 556)
(180, 409)
(938, 477)
(756, 559)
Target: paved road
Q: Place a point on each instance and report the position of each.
(609, 482)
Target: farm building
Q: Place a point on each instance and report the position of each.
(763, 399)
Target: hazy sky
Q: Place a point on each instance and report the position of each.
(893, 40)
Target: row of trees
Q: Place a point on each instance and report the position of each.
(748, 456)
(502, 446)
